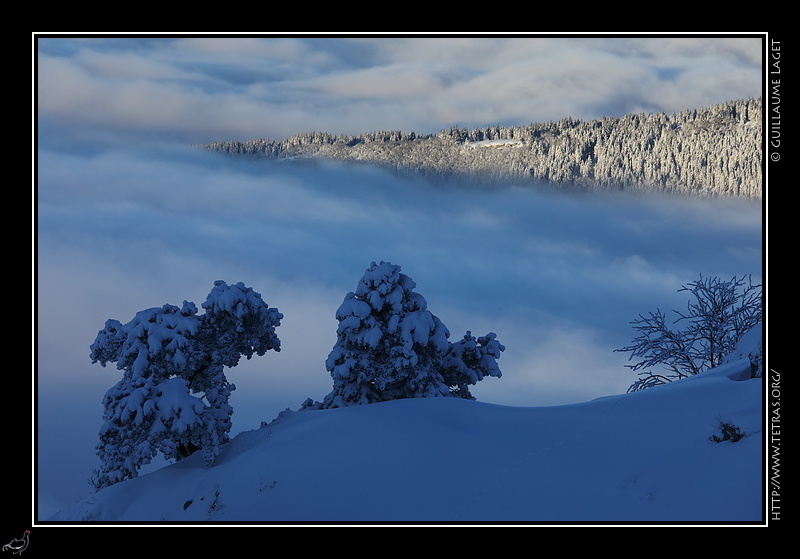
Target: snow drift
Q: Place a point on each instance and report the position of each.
(647, 456)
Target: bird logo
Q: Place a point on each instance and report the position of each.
(18, 545)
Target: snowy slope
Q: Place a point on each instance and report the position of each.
(644, 456)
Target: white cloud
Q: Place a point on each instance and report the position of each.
(380, 83)
(277, 87)
(252, 50)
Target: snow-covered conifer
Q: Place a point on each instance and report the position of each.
(389, 345)
(470, 360)
(173, 396)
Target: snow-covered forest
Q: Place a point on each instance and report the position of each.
(714, 151)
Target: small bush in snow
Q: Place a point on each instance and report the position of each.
(718, 316)
(727, 432)
(390, 346)
(173, 395)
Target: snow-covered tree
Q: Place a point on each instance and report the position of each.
(388, 343)
(470, 360)
(173, 395)
(719, 314)
(390, 346)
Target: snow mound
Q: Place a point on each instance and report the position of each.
(647, 456)
(749, 347)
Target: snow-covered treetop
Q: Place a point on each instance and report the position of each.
(239, 322)
(383, 284)
(153, 336)
(236, 298)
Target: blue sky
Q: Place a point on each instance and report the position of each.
(129, 216)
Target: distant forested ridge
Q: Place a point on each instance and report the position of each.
(716, 151)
